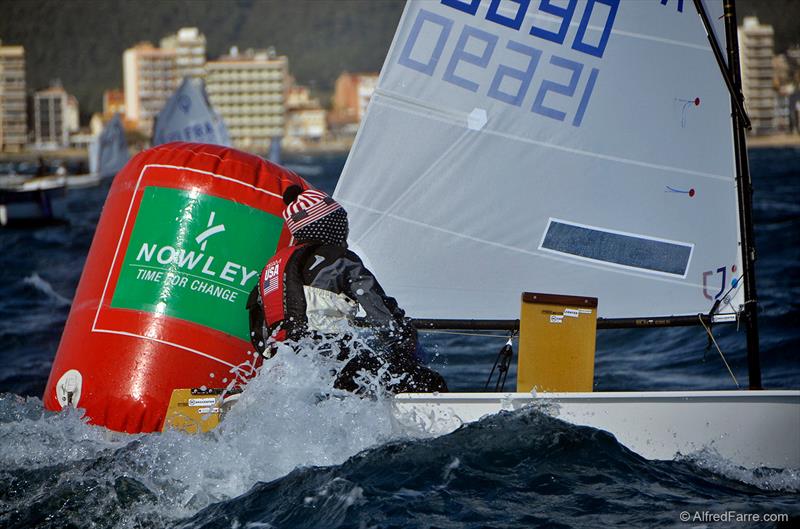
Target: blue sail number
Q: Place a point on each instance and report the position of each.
(563, 13)
(475, 48)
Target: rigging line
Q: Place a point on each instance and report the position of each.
(736, 284)
(711, 336)
(502, 363)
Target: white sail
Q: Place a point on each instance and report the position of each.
(582, 149)
(188, 116)
(274, 154)
(109, 153)
(94, 155)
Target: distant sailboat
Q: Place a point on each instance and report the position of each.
(587, 150)
(108, 153)
(274, 154)
(189, 116)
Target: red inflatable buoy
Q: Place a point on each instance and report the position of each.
(160, 305)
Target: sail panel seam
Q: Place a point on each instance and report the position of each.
(460, 118)
(660, 40)
(415, 183)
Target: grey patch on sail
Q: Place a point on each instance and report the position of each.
(616, 248)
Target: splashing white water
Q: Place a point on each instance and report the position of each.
(773, 479)
(36, 281)
(34, 438)
(289, 416)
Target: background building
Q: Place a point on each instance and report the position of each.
(756, 43)
(306, 119)
(55, 117)
(113, 102)
(786, 67)
(13, 110)
(249, 91)
(189, 46)
(150, 76)
(351, 96)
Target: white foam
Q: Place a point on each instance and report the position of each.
(36, 281)
(771, 479)
(289, 416)
(33, 438)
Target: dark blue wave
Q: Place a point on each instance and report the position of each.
(512, 470)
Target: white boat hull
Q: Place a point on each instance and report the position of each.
(37, 201)
(749, 428)
(81, 181)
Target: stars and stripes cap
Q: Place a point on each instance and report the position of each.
(306, 207)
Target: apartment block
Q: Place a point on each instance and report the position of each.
(55, 115)
(306, 119)
(113, 103)
(756, 49)
(13, 110)
(189, 46)
(150, 76)
(248, 89)
(351, 96)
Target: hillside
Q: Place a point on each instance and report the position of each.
(81, 41)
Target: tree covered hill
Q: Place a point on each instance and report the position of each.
(81, 42)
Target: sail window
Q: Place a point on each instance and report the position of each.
(617, 248)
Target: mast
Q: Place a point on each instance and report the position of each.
(745, 191)
(744, 185)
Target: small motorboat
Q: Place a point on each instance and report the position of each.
(38, 201)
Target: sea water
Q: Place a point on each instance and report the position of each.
(293, 452)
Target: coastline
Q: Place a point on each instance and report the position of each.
(342, 146)
(338, 146)
(773, 141)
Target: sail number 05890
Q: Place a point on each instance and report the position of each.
(509, 84)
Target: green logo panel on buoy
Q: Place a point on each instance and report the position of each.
(195, 257)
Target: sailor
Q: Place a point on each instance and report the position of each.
(319, 288)
(41, 167)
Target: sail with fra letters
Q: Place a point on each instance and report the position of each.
(188, 116)
(109, 153)
(584, 148)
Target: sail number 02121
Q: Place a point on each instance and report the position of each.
(476, 47)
